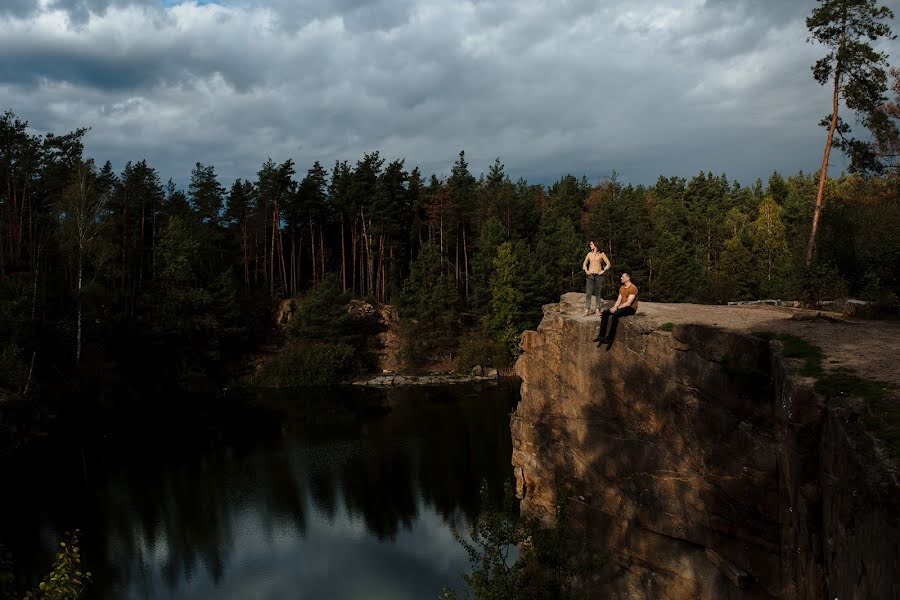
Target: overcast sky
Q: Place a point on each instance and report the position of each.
(643, 87)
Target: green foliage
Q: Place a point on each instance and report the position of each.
(559, 252)
(549, 561)
(174, 278)
(307, 363)
(676, 272)
(322, 315)
(770, 247)
(13, 369)
(794, 347)
(492, 235)
(847, 28)
(66, 580)
(428, 308)
(882, 416)
(482, 349)
(326, 343)
(882, 413)
(7, 576)
(821, 281)
(735, 274)
(429, 292)
(667, 327)
(506, 316)
(15, 308)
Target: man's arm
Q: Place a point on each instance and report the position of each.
(629, 301)
(604, 259)
(616, 305)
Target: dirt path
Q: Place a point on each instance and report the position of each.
(871, 349)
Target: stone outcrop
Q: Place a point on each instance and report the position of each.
(703, 461)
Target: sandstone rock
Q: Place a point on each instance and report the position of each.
(703, 459)
(478, 371)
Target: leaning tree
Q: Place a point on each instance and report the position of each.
(848, 28)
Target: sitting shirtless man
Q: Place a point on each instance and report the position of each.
(625, 306)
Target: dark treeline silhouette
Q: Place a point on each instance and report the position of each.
(100, 269)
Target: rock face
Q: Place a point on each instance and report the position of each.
(706, 465)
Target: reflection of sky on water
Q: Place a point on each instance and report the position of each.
(331, 507)
(335, 558)
(363, 511)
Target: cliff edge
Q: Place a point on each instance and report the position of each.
(702, 458)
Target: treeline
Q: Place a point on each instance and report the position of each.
(101, 268)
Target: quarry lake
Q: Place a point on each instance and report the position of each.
(344, 494)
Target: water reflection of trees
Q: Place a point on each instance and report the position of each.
(178, 508)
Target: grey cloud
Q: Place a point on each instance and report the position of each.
(357, 15)
(18, 8)
(643, 87)
(80, 12)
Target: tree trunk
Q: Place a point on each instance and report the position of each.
(380, 293)
(124, 238)
(78, 334)
(353, 252)
(466, 259)
(321, 254)
(823, 175)
(272, 250)
(284, 281)
(312, 252)
(244, 247)
(343, 257)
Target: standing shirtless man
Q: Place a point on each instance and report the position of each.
(594, 269)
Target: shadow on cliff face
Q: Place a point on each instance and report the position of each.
(665, 445)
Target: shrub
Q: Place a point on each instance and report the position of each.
(821, 281)
(66, 580)
(482, 350)
(308, 363)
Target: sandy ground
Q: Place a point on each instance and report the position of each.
(871, 349)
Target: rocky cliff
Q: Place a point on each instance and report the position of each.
(702, 460)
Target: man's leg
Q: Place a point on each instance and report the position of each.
(604, 317)
(626, 311)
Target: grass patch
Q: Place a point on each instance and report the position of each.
(882, 416)
(667, 327)
(794, 347)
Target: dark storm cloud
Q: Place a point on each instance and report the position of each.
(644, 87)
(18, 8)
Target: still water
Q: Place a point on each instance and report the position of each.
(351, 494)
